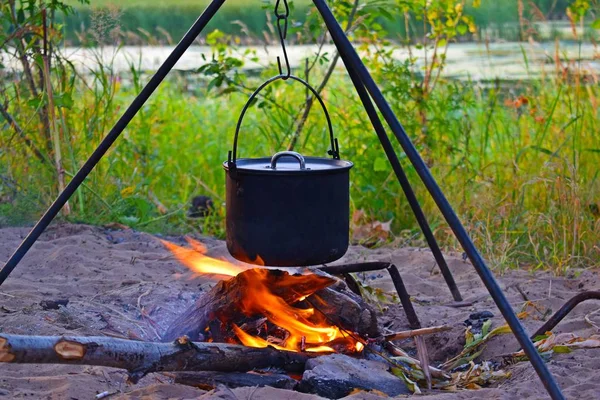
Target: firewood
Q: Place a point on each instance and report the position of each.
(141, 358)
(222, 302)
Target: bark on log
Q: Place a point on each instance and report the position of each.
(222, 301)
(344, 308)
(140, 358)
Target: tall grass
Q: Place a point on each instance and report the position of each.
(518, 163)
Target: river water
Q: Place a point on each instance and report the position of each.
(507, 61)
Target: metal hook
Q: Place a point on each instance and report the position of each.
(283, 16)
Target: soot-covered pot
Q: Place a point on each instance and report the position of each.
(287, 210)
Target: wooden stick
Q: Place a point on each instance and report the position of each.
(141, 358)
(423, 354)
(416, 332)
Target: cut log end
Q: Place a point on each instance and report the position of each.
(183, 340)
(69, 350)
(5, 355)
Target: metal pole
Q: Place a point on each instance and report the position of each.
(405, 184)
(352, 61)
(114, 133)
(566, 309)
(411, 315)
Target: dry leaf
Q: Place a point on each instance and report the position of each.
(369, 233)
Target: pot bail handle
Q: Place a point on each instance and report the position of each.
(334, 150)
(297, 156)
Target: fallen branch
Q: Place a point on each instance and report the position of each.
(141, 358)
(416, 332)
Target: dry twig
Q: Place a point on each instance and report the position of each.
(416, 332)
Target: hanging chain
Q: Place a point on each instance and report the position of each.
(282, 27)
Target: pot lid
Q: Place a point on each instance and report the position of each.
(289, 162)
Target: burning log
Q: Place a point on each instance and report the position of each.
(224, 301)
(312, 312)
(141, 358)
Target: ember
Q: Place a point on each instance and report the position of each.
(283, 299)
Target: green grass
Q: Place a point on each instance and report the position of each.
(524, 180)
(518, 161)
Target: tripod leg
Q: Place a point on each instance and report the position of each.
(107, 142)
(352, 61)
(405, 184)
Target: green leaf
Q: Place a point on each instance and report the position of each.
(466, 359)
(501, 330)
(63, 100)
(380, 165)
(486, 327)
(561, 349)
(596, 24)
(462, 29)
(37, 102)
(129, 220)
(540, 337)
(469, 338)
(411, 385)
(544, 150)
(213, 37)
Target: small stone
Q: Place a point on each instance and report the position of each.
(481, 315)
(234, 379)
(53, 304)
(476, 320)
(337, 375)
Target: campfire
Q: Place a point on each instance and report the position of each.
(263, 307)
(301, 329)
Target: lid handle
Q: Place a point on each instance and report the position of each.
(297, 156)
(334, 150)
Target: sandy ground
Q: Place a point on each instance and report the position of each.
(109, 276)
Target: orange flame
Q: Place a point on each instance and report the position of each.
(307, 331)
(196, 260)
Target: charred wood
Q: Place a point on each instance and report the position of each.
(208, 380)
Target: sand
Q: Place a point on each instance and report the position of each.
(109, 276)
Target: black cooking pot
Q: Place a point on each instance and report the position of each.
(287, 210)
